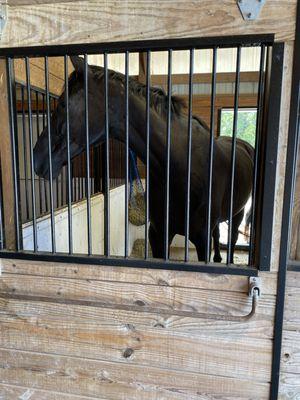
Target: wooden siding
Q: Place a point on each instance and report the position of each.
(68, 331)
(6, 167)
(295, 235)
(76, 322)
(290, 364)
(98, 21)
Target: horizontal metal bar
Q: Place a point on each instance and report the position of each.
(37, 89)
(139, 45)
(143, 309)
(213, 268)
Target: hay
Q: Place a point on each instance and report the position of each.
(137, 206)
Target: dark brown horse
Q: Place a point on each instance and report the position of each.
(178, 153)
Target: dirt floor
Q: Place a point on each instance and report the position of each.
(177, 253)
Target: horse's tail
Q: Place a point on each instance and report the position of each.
(248, 216)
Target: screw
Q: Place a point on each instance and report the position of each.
(249, 15)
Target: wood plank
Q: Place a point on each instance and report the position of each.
(12, 392)
(295, 234)
(123, 295)
(291, 352)
(289, 388)
(221, 77)
(292, 309)
(136, 275)
(290, 359)
(6, 167)
(32, 2)
(116, 381)
(224, 100)
(37, 74)
(95, 21)
(281, 157)
(293, 279)
(110, 336)
(118, 320)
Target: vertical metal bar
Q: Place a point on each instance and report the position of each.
(37, 111)
(52, 107)
(31, 154)
(69, 172)
(57, 191)
(76, 189)
(168, 147)
(107, 183)
(233, 152)
(87, 180)
(189, 159)
(256, 154)
(211, 154)
(25, 152)
(44, 124)
(2, 244)
(62, 186)
(147, 193)
(126, 150)
(14, 143)
(50, 155)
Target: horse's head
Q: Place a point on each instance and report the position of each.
(58, 123)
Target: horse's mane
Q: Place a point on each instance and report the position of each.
(158, 97)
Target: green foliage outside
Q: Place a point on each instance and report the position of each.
(246, 124)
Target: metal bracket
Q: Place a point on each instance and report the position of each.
(3, 17)
(250, 9)
(254, 286)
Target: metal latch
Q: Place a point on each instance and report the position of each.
(250, 9)
(3, 17)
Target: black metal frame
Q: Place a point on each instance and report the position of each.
(289, 187)
(270, 142)
(269, 148)
(139, 46)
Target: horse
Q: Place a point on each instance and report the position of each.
(158, 116)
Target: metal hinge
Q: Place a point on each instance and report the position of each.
(250, 9)
(3, 17)
(254, 286)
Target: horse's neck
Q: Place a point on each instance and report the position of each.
(137, 129)
(157, 132)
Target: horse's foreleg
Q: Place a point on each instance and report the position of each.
(216, 237)
(236, 222)
(200, 244)
(157, 240)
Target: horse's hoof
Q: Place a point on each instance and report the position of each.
(217, 259)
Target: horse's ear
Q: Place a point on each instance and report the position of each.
(78, 63)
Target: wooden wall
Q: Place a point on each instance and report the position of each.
(69, 331)
(290, 361)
